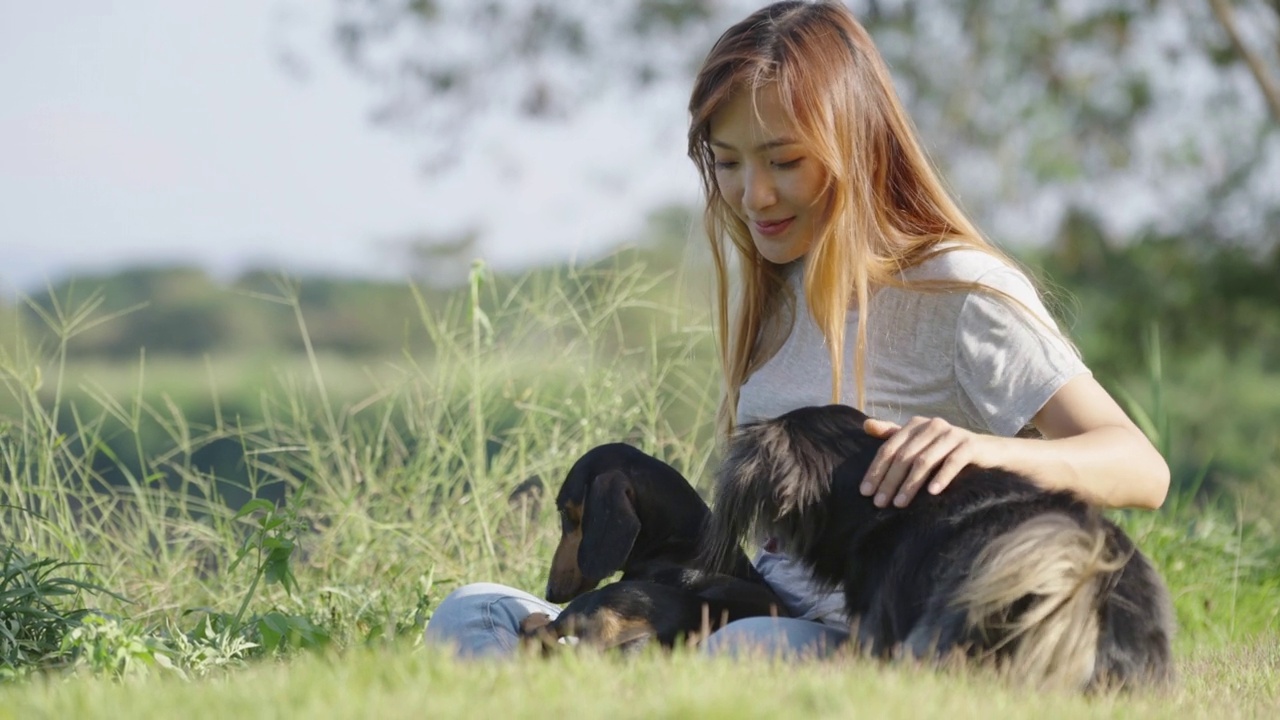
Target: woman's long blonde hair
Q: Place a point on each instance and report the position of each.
(885, 207)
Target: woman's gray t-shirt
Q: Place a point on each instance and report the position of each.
(971, 358)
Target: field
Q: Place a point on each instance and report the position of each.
(369, 490)
(404, 683)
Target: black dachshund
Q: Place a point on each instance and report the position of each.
(1036, 582)
(621, 509)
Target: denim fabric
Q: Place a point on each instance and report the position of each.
(483, 620)
(775, 638)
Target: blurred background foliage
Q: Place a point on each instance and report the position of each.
(1150, 116)
(1127, 150)
(219, 352)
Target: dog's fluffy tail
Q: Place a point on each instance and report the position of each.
(1033, 598)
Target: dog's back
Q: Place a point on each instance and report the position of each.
(1035, 581)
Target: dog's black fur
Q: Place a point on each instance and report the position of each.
(622, 509)
(973, 569)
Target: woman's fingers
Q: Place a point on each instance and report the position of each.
(925, 465)
(880, 428)
(955, 462)
(913, 462)
(925, 450)
(884, 458)
(892, 462)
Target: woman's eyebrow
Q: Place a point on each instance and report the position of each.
(770, 145)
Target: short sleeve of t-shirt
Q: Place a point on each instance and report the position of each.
(1009, 362)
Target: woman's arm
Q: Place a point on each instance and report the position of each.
(1090, 447)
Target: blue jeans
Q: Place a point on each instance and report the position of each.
(483, 620)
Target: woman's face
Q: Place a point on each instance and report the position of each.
(765, 175)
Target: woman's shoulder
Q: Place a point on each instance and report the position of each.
(965, 265)
(959, 264)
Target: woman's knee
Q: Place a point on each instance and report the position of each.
(465, 600)
(474, 591)
(482, 618)
(775, 638)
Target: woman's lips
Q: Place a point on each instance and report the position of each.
(772, 227)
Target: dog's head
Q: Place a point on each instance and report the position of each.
(618, 506)
(776, 474)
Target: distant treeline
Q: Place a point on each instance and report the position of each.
(1200, 297)
(183, 311)
(1214, 311)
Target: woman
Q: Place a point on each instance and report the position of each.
(851, 255)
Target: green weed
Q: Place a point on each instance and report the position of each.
(367, 490)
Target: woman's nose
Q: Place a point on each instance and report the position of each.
(758, 190)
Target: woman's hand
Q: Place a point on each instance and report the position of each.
(1090, 448)
(924, 450)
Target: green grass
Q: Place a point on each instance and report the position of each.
(1240, 682)
(392, 482)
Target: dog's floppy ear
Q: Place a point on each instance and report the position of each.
(609, 525)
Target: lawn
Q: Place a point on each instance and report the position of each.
(1242, 681)
(371, 492)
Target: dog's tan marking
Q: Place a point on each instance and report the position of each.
(605, 628)
(565, 580)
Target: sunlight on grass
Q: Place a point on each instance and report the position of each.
(414, 683)
(370, 490)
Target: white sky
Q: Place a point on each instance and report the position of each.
(152, 131)
(160, 132)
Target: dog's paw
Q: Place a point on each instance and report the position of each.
(539, 634)
(534, 624)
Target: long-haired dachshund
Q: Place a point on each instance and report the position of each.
(621, 509)
(1036, 582)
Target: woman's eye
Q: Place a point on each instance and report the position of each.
(787, 164)
(726, 164)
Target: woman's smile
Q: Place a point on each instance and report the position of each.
(772, 228)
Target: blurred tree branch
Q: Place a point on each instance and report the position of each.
(443, 64)
(1141, 112)
(1266, 83)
